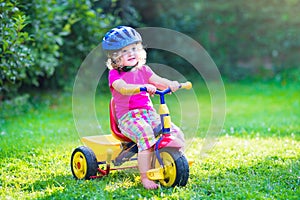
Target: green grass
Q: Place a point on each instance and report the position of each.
(256, 156)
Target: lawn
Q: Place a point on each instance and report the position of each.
(256, 155)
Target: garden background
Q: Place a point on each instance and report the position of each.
(255, 45)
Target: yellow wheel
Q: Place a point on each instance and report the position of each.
(83, 163)
(176, 167)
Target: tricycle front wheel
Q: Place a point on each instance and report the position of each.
(176, 167)
(83, 163)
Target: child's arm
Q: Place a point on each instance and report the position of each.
(120, 85)
(163, 83)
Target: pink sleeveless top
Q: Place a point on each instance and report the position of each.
(125, 103)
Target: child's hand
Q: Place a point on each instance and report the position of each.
(174, 85)
(151, 89)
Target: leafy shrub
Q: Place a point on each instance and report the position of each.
(15, 51)
(242, 41)
(65, 32)
(43, 38)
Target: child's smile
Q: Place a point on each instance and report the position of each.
(130, 55)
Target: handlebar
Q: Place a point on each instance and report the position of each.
(125, 91)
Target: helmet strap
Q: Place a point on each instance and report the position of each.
(127, 68)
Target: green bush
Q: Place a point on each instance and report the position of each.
(15, 50)
(65, 32)
(44, 42)
(244, 38)
(43, 38)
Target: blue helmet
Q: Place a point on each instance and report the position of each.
(120, 37)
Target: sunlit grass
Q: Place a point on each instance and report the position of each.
(256, 155)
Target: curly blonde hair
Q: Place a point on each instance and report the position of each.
(115, 57)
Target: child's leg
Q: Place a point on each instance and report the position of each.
(144, 163)
(176, 131)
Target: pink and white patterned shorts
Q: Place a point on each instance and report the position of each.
(138, 125)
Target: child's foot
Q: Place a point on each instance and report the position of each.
(148, 184)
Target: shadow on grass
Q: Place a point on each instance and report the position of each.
(118, 185)
(67, 187)
(269, 177)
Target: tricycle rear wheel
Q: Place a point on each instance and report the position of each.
(83, 163)
(176, 167)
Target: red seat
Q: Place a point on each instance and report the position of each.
(114, 125)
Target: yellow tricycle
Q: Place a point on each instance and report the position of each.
(103, 153)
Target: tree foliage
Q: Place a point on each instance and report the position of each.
(245, 38)
(42, 39)
(15, 53)
(44, 42)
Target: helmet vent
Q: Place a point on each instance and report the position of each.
(133, 32)
(120, 37)
(127, 33)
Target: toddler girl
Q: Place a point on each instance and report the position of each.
(135, 113)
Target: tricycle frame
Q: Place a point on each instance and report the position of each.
(106, 149)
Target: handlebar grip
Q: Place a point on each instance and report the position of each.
(126, 91)
(187, 85)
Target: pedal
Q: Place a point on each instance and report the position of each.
(129, 150)
(155, 174)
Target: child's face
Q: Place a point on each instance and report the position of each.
(129, 54)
